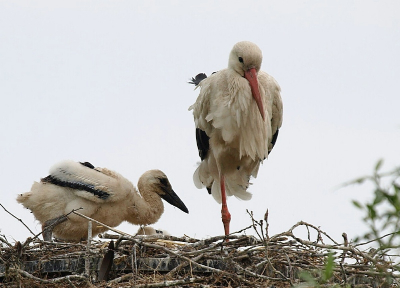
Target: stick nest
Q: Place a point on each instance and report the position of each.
(165, 261)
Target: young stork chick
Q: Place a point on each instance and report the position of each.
(148, 230)
(104, 195)
(237, 115)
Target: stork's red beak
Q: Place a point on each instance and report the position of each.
(251, 76)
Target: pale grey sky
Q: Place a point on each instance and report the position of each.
(105, 82)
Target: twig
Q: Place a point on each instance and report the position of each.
(102, 224)
(254, 225)
(274, 270)
(302, 223)
(348, 248)
(184, 264)
(54, 280)
(167, 283)
(134, 262)
(179, 256)
(121, 279)
(242, 230)
(250, 273)
(152, 238)
(17, 219)
(210, 240)
(87, 258)
(29, 240)
(343, 273)
(376, 239)
(70, 283)
(266, 224)
(5, 241)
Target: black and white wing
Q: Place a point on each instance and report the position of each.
(86, 181)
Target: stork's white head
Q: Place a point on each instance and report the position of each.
(246, 59)
(244, 56)
(157, 182)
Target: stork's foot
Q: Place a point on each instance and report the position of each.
(226, 219)
(48, 226)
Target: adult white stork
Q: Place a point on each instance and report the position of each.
(237, 115)
(103, 195)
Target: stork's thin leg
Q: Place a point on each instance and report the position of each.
(47, 227)
(226, 216)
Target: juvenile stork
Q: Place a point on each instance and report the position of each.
(237, 116)
(104, 195)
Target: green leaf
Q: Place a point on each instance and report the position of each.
(329, 266)
(382, 212)
(371, 211)
(357, 204)
(393, 200)
(304, 275)
(368, 235)
(378, 165)
(359, 180)
(379, 196)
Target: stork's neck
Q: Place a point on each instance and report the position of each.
(145, 208)
(236, 83)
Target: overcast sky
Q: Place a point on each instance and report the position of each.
(106, 82)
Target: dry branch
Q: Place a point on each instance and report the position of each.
(17, 219)
(54, 280)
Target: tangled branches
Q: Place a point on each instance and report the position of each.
(164, 261)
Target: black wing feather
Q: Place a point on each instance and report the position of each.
(273, 140)
(198, 78)
(87, 164)
(76, 185)
(202, 139)
(203, 144)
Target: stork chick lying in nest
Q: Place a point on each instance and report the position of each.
(103, 195)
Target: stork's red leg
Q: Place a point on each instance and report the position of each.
(226, 216)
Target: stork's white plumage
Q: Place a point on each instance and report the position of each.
(104, 195)
(237, 115)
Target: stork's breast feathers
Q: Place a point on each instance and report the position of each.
(225, 106)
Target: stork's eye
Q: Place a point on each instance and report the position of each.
(163, 181)
(240, 59)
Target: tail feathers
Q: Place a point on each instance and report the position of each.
(216, 191)
(196, 179)
(238, 191)
(30, 199)
(202, 177)
(24, 198)
(254, 173)
(232, 189)
(236, 183)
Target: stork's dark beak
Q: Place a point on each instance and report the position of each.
(251, 76)
(170, 196)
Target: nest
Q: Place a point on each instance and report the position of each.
(122, 260)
